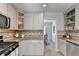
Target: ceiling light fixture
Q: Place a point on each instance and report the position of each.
(44, 5)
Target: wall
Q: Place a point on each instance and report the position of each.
(59, 17)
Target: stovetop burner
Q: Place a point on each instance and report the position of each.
(6, 46)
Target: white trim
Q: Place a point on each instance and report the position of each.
(48, 20)
(56, 43)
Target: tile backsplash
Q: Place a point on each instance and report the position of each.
(10, 35)
(72, 33)
(6, 35)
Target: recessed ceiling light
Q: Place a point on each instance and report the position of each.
(44, 5)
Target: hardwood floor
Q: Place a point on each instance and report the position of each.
(49, 50)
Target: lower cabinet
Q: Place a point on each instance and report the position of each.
(62, 46)
(72, 49)
(68, 48)
(31, 47)
(14, 53)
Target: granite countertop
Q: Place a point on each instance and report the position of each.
(71, 40)
(14, 39)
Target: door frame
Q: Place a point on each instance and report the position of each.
(53, 23)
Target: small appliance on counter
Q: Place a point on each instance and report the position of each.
(66, 35)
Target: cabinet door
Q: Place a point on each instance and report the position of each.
(59, 44)
(76, 52)
(28, 21)
(31, 47)
(72, 49)
(26, 48)
(38, 21)
(39, 47)
(13, 53)
(16, 51)
(12, 13)
(3, 8)
(22, 47)
(62, 46)
(77, 17)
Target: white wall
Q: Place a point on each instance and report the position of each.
(56, 16)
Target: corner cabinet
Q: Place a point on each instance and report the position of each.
(33, 21)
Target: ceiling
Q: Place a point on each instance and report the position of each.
(38, 7)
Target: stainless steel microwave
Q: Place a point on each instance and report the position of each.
(4, 22)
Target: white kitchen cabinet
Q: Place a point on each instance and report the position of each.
(28, 21)
(16, 52)
(12, 13)
(13, 53)
(38, 21)
(39, 47)
(72, 49)
(62, 46)
(31, 47)
(77, 17)
(9, 11)
(3, 8)
(33, 21)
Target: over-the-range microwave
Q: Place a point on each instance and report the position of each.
(4, 22)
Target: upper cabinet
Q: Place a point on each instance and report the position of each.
(12, 13)
(38, 21)
(3, 8)
(28, 21)
(20, 20)
(72, 19)
(77, 17)
(33, 21)
(15, 14)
